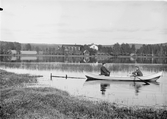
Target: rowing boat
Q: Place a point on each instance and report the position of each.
(149, 78)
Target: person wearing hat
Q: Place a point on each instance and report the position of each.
(104, 71)
(137, 72)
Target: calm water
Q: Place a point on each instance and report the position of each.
(123, 93)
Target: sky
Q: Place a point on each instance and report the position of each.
(83, 21)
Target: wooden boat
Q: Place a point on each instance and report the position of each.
(150, 78)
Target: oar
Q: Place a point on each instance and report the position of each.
(65, 77)
(140, 79)
(143, 81)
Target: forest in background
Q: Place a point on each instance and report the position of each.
(116, 49)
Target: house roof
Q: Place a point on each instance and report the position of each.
(94, 47)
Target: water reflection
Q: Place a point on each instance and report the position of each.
(138, 87)
(103, 88)
(130, 93)
(80, 59)
(80, 67)
(107, 85)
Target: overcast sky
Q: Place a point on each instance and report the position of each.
(83, 22)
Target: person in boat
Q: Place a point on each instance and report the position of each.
(137, 72)
(104, 71)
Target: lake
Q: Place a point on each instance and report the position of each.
(122, 93)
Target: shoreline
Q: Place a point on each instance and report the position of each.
(109, 56)
(21, 102)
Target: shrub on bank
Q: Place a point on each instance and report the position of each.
(8, 79)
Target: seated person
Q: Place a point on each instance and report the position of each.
(137, 72)
(104, 70)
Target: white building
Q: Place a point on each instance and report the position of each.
(28, 52)
(13, 52)
(93, 46)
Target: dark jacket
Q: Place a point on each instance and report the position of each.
(137, 73)
(104, 71)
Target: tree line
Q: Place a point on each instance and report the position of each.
(144, 50)
(117, 49)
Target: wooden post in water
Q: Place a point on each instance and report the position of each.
(51, 76)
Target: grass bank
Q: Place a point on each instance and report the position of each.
(20, 102)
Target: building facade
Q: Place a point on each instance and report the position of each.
(71, 49)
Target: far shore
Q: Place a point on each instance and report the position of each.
(118, 56)
(21, 102)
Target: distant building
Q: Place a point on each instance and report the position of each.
(13, 52)
(28, 52)
(71, 49)
(93, 46)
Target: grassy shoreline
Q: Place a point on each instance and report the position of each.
(20, 102)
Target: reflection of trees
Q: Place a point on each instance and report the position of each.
(93, 60)
(85, 59)
(73, 59)
(5, 58)
(80, 66)
(134, 60)
(115, 60)
(61, 59)
(13, 65)
(121, 60)
(152, 60)
(52, 59)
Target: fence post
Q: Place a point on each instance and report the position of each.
(51, 76)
